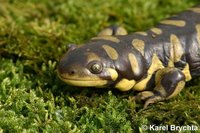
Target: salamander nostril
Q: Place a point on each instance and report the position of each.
(72, 72)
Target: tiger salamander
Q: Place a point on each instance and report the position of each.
(157, 63)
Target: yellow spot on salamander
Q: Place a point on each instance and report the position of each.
(139, 45)
(176, 48)
(141, 33)
(111, 52)
(109, 31)
(156, 64)
(125, 84)
(157, 31)
(92, 56)
(186, 72)
(121, 31)
(198, 33)
(109, 38)
(141, 85)
(195, 9)
(171, 57)
(113, 73)
(106, 32)
(179, 23)
(134, 63)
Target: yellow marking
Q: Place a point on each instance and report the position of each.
(157, 31)
(106, 32)
(111, 52)
(125, 84)
(141, 33)
(134, 64)
(121, 31)
(176, 48)
(92, 56)
(198, 33)
(113, 73)
(195, 9)
(179, 87)
(186, 72)
(171, 56)
(139, 45)
(109, 32)
(179, 23)
(109, 38)
(141, 85)
(156, 64)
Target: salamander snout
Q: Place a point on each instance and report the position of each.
(63, 68)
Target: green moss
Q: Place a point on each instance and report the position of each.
(33, 36)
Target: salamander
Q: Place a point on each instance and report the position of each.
(156, 62)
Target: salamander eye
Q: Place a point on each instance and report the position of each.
(96, 67)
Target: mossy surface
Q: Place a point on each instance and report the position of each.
(34, 35)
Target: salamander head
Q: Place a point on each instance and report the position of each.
(86, 66)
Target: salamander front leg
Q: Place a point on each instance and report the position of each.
(169, 82)
(113, 30)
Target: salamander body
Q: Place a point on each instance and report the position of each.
(157, 62)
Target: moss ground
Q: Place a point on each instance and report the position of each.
(33, 36)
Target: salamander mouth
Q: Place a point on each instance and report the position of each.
(83, 82)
